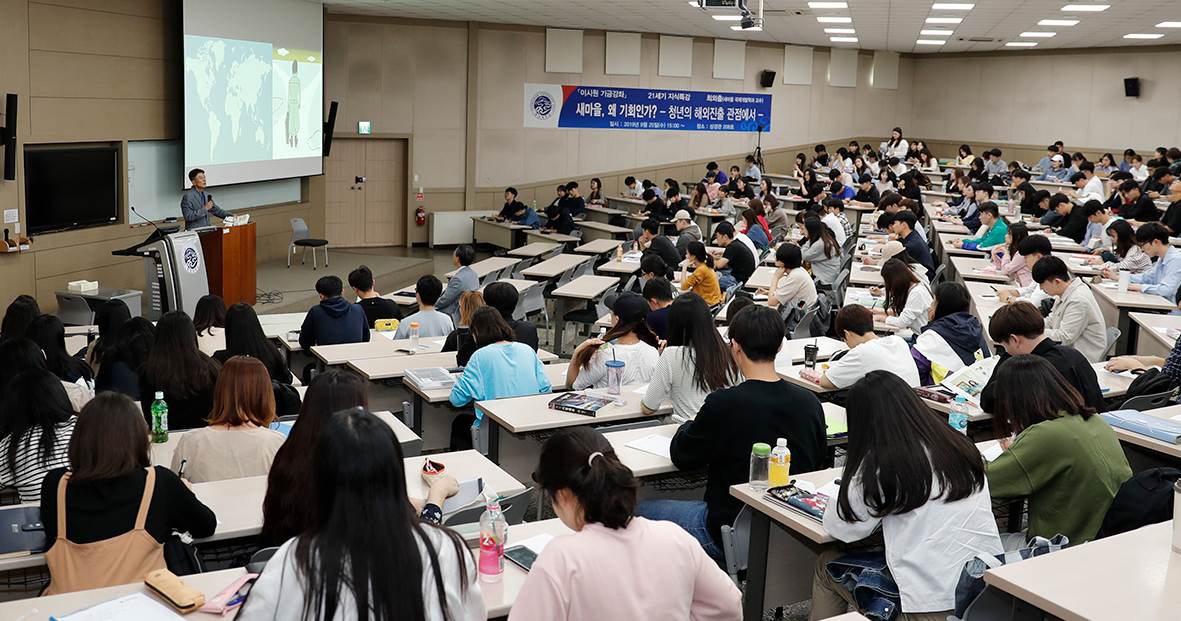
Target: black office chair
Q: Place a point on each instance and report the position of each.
(301, 237)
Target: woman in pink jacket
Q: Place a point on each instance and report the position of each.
(1008, 261)
(614, 566)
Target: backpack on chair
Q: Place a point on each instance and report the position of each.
(1146, 498)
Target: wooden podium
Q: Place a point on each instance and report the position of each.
(230, 264)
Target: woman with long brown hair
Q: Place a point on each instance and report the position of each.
(629, 340)
(908, 300)
(237, 443)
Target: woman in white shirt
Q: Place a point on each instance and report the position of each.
(919, 481)
(412, 568)
(209, 318)
(695, 362)
(237, 443)
(908, 301)
(791, 285)
(821, 250)
(629, 340)
(896, 146)
(608, 567)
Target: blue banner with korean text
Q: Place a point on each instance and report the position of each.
(609, 107)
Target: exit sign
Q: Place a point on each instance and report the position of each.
(364, 127)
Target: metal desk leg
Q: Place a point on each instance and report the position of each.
(489, 427)
(756, 568)
(559, 322)
(1127, 328)
(415, 415)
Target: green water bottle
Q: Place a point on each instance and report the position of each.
(159, 419)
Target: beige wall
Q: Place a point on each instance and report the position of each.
(1035, 98)
(100, 70)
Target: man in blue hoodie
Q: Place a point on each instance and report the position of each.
(334, 320)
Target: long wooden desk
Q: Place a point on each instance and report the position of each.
(583, 288)
(491, 265)
(554, 267)
(1129, 576)
(532, 413)
(535, 235)
(378, 346)
(534, 250)
(592, 230)
(392, 367)
(1116, 306)
(761, 278)
(977, 268)
(1158, 333)
(599, 246)
(499, 234)
(555, 373)
(599, 213)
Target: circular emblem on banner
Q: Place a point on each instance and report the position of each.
(192, 261)
(543, 106)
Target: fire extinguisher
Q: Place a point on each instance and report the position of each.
(420, 216)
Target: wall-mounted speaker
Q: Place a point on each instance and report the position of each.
(1131, 87)
(8, 137)
(329, 127)
(766, 78)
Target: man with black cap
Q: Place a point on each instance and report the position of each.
(867, 194)
(629, 341)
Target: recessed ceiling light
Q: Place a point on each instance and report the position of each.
(1058, 22)
(1021, 44)
(843, 39)
(1038, 35)
(1169, 25)
(944, 20)
(727, 18)
(1136, 35)
(835, 20)
(840, 31)
(930, 42)
(1086, 8)
(828, 5)
(952, 6)
(936, 33)
(753, 29)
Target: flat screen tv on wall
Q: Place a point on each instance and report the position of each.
(70, 187)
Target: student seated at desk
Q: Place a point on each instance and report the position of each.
(209, 318)
(511, 205)
(1170, 367)
(334, 320)
(370, 301)
(612, 552)
(1137, 206)
(121, 361)
(286, 509)
(631, 189)
(1059, 454)
(652, 266)
(48, 333)
(1032, 249)
(992, 231)
(237, 442)
(703, 280)
(654, 207)
(659, 294)
(1137, 169)
(867, 194)
(1007, 259)
(694, 363)
(952, 340)
(650, 241)
(924, 486)
(1099, 217)
(595, 196)
(629, 340)
(1165, 275)
(1075, 319)
(110, 316)
(754, 230)
(822, 252)
(1020, 329)
(460, 340)
(38, 423)
(575, 203)
(687, 231)
(245, 337)
(1124, 254)
(408, 566)
(503, 297)
(558, 218)
(17, 317)
(791, 286)
(430, 321)
(731, 420)
(905, 227)
(908, 299)
(464, 279)
(179, 370)
(894, 249)
(1057, 171)
(110, 527)
(867, 352)
(1072, 222)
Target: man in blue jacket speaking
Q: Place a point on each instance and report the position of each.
(196, 204)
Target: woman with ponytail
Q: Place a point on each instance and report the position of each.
(604, 570)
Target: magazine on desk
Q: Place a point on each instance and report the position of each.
(809, 504)
(969, 381)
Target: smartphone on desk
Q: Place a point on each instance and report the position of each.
(521, 556)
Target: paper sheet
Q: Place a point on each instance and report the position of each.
(136, 606)
(537, 543)
(991, 450)
(830, 489)
(1127, 374)
(653, 444)
(642, 389)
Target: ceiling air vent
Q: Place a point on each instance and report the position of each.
(980, 40)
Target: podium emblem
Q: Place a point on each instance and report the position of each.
(191, 260)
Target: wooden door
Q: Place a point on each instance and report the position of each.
(385, 193)
(343, 203)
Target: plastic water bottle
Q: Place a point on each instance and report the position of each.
(760, 455)
(159, 419)
(413, 337)
(958, 416)
(779, 472)
(493, 533)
